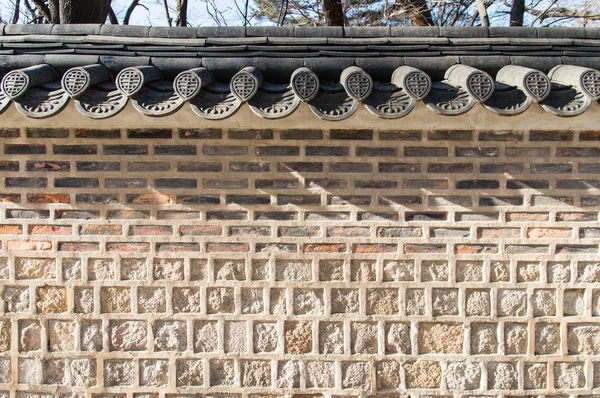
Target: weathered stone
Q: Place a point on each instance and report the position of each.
(364, 337)
(83, 372)
(170, 336)
(298, 337)
(189, 372)
(235, 336)
(206, 336)
(356, 375)
(30, 336)
(440, 338)
(569, 375)
(118, 372)
(256, 373)
(423, 374)
(502, 376)
(463, 376)
(115, 299)
(154, 372)
(265, 337)
(35, 268)
(128, 335)
(61, 335)
(222, 372)
(288, 374)
(320, 374)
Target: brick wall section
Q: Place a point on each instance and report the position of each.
(151, 263)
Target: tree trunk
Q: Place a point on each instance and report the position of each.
(418, 12)
(483, 15)
(334, 14)
(182, 6)
(517, 11)
(83, 11)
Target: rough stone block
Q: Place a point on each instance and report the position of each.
(423, 374)
(463, 376)
(118, 372)
(382, 301)
(206, 336)
(189, 372)
(445, 301)
(222, 372)
(484, 338)
(256, 373)
(356, 375)
(320, 374)
(512, 302)
(298, 337)
(265, 337)
(128, 335)
(154, 372)
(189, 299)
(331, 338)
(440, 338)
(170, 336)
(502, 376)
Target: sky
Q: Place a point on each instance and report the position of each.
(152, 11)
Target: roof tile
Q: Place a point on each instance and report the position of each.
(124, 30)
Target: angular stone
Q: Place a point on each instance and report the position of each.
(320, 374)
(128, 336)
(170, 336)
(440, 338)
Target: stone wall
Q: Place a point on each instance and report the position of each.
(305, 263)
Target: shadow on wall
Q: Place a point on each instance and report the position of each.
(298, 191)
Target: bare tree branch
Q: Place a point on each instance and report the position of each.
(134, 3)
(562, 12)
(182, 8)
(483, 15)
(43, 9)
(418, 12)
(112, 16)
(167, 13)
(16, 12)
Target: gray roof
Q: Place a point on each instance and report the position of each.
(274, 54)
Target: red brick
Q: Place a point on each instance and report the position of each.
(149, 199)
(200, 230)
(349, 232)
(498, 233)
(10, 198)
(577, 217)
(48, 198)
(375, 248)
(41, 229)
(23, 245)
(78, 246)
(163, 230)
(177, 247)
(100, 230)
(527, 217)
(11, 230)
(549, 233)
(424, 248)
(325, 248)
(127, 247)
(213, 247)
(475, 249)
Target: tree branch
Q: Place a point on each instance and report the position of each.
(17, 12)
(112, 16)
(43, 9)
(134, 3)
